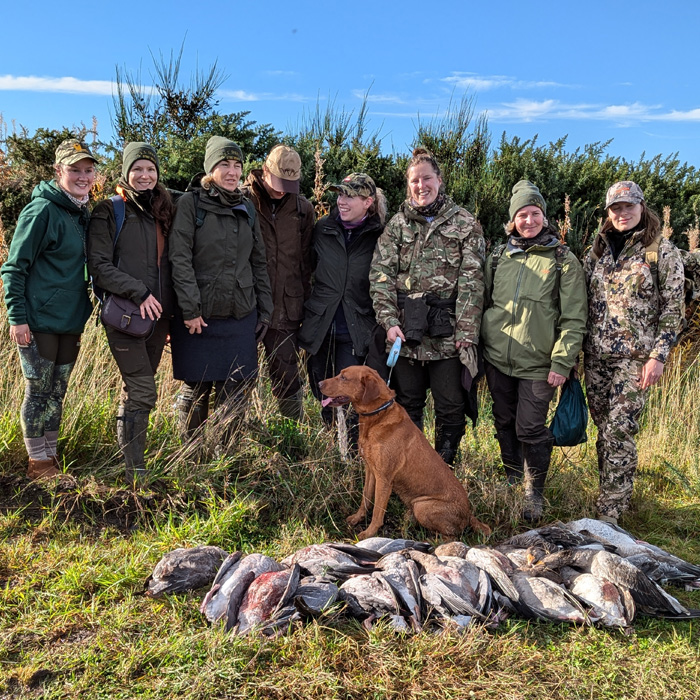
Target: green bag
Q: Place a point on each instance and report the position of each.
(571, 417)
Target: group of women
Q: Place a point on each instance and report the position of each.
(198, 272)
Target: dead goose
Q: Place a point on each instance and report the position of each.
(314, 595)
(184, 569)
(497, 566)
(267, 595)
(545, 600)
(401, 573)
(610, 606)
(649, 597)
(320, 559)
(370, 597)
(385, 545)
(231, 584)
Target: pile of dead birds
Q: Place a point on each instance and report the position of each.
(586, 571)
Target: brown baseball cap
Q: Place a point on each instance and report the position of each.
(284, 166)
(624, 191)
(72, 151)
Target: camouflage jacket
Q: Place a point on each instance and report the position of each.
(445, 257)
(630, 314)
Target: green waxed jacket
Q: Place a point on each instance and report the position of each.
(528, 329)
(219, 269)
(444, 257)
(44, 278)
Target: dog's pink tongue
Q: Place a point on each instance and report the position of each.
(326, 401)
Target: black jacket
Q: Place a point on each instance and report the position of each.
(131, 269)
(341, 276)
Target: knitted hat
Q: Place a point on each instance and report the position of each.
(220, 148)
(284, 167)
(524, 195)
(624, 191)
(72, 151)
(137, 150)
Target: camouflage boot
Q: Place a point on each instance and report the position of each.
(536, 459)
(511, 455)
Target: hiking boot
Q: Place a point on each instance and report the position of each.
(447, 439)
(292, 406)
(39, 469)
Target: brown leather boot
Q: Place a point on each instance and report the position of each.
(39, 469)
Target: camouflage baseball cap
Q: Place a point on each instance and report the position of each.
(624, 191)
(71, 151)
(284, 167)
(356, 185)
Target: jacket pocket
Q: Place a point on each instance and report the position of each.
(294, 300)
(57, 308)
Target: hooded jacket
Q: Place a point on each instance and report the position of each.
(44, 277)
(341, 276)
(444, 257)
(219, 268)
(534, 323)
(131, 269)
(287, 230)
(630, 314)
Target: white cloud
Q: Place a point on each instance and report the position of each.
(32, 83)
(244, 96)
(383, 99)
(480, 83)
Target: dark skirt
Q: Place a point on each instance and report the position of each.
(226, 349)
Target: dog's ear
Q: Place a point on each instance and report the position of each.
(371, 389)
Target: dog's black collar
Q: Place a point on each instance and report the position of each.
(383, 407)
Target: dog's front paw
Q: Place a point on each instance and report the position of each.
(353, 520)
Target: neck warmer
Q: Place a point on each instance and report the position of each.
(544, 238)
(228, 198)
(430, 211)
(143, 199)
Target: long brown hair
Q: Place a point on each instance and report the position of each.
(162, 207)
(649, 222)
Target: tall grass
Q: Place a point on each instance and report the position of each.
(73, 557)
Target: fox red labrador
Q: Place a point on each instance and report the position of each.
(398, 457)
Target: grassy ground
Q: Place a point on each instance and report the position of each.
(73, 559)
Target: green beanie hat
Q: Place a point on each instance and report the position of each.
(220, 148)
(137, 150)
(524, 195)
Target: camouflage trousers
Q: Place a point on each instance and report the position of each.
(615, 401)
(47, 363)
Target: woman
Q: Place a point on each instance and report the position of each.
(133, 263)
(46, 292)
(635, 307)
(427, 287)
(223, 291)
(532, 332)
(338, 317)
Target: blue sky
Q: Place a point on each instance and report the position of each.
(593, 70)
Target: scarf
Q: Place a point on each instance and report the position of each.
(429, 211)
(143, 199)
(80, 203)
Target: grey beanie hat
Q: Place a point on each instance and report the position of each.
(138, 150)
(524, 195)
(220, 148)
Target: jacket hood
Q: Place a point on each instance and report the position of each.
(53, 193)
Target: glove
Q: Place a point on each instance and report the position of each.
(260, 331)
(469, 358)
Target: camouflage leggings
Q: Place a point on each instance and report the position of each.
(47, 363)
(615, 401)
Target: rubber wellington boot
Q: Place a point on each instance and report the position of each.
(447, 439)
(511, 455)
(190, 416)
(132, 427)
(536, 459)
(39, 469)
